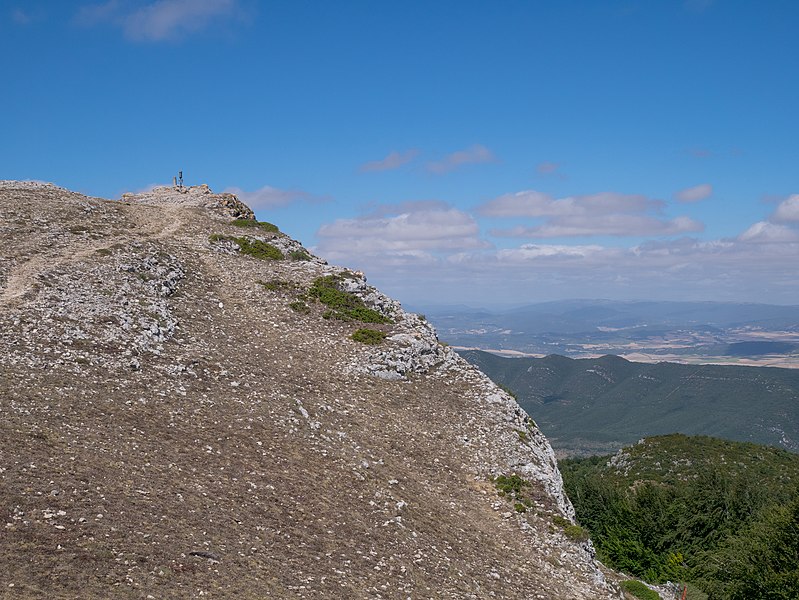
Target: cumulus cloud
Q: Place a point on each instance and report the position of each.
(409, 206)
(527, 252)
(473, 154)
(393, 161)
(613, 225)
(765, 232)
(606, 213)
(683, 268)
(531, 203)
(695, 193)
(270, 197)
(162, 19)
(415, 233)
(787, 211)
(754, 265)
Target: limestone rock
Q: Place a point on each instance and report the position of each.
(200, 196)
(180, 420)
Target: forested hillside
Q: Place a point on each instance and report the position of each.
(722, 515)
(595, 406)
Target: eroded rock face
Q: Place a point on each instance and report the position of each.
(179, 418)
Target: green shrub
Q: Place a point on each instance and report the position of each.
(299, 255)
(639, 590)
(253, 223)
(369, 336)
(561, 522)
(250, 247)
(300, 306)
(511, 484)
(278, 285)
(517, 490)
(258, 249)
(575, 533)
(571, 531)
(343, 306)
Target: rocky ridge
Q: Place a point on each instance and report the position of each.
(176, 427)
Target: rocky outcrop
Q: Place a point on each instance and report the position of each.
(200, 196)
(182, 419)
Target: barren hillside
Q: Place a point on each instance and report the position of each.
(183, 416)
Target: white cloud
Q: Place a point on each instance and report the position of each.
(527, 252)
(680, 269)
(765, 232)
(605, 213)
(530, 203)
(695, 193)
(270, 197)
(788, 210)
(472, 154)
(677, 269)
(416, 233)
(409, 206)
(613, 225)
(393, 161)
(162, 19)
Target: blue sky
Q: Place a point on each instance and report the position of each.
(456, 151)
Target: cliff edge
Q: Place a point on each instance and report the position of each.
(189, 410)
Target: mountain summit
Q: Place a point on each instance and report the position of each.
(196, 406)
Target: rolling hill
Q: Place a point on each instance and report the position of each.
(590, 406)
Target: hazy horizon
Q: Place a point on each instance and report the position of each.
(513, 306)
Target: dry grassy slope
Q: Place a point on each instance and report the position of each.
(157, 401)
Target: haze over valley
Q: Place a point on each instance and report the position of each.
(640, 331)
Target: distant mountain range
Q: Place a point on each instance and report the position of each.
(650, 331)
(591, 406)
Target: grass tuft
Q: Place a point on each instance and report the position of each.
(372, 337)
(639, 590)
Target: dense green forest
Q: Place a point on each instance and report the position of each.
(599, 405)
(721, 515)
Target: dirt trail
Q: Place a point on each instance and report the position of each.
(151, 223)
